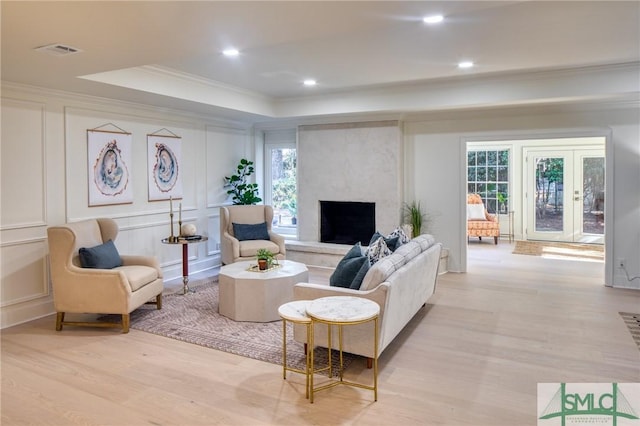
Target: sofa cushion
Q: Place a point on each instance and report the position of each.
(392, 242)
(245, 231)
(348, 267)
(378, 250)
(249, 248)
(425, 241)
(409, 250)
(383, 269)
(103, 256)
(403, 238)
(139, 275)
(379, 272)
(362, 272)
(475, 212)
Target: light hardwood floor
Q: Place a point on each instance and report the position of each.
(472, 356)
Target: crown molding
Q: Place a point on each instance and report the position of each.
(167, 71)
(472, 92)
(111, 105)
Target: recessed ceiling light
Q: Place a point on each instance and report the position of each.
(433, 19)
(465, 64)
(230, 52)
(310, 82)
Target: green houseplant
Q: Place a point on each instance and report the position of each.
(501, 200)
(414, 215)
(292, 206)
(265, 259)
(241, 191)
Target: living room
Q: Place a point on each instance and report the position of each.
(45, 158)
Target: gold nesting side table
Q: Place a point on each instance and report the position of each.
(296, 313)
(341, 311)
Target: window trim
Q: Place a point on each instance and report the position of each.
(497, 182)
(288, 231)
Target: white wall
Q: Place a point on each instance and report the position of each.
(44, 183)
(435, 161)
(349, 162)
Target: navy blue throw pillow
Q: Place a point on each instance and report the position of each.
(357, 280)
(244, 232)
(348, 268)
(104, 256)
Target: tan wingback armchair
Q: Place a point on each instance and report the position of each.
(234, 250)
(487, 227)
(98, 291)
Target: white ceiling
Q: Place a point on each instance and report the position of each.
(168, 53)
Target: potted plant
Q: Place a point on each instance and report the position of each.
(265, 259)
(414, 215)
(242, 192)
(292, 206)
(501, 200)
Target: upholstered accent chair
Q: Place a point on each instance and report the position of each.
(479, 222)
(95, 290)
(244, 229)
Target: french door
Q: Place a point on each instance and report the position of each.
(565, 195)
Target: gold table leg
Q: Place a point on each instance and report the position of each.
(308, 356)
(341, 380)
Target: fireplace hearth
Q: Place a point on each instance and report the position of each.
(347, 222)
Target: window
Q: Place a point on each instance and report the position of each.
(280, 185)
(488, 175)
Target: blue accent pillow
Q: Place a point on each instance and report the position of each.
(244, 232)
(393, 242)
(104, 256)
(357, 281)
(348, 268)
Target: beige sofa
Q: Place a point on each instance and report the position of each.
(400, 283)
(234, 250)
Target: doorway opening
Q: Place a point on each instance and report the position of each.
(554, 191)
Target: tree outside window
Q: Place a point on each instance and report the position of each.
(283, 186)
(488, 175)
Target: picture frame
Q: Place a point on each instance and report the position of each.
(109, 167)
(164, 161)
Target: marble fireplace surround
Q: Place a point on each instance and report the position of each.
(346, 162)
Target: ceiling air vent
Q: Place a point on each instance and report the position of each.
(58, 49)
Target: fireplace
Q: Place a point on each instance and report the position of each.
(347, 222)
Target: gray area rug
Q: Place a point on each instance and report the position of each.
(633, 323)
(194, 318)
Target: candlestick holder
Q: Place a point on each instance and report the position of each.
(179, 228)
(172, 238)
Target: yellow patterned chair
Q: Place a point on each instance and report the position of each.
(479, 222)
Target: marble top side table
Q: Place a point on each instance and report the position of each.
(342, 311)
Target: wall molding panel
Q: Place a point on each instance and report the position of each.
(24, 184)
(24, 271)
(224, 147)
(44, 133)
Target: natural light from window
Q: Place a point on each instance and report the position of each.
(281, 187)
